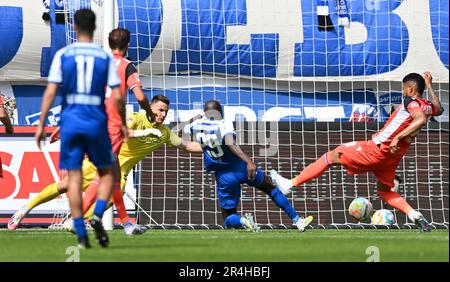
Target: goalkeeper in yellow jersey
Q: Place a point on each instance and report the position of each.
(132, 152)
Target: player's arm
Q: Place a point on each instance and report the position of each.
(419, 120)
(190, 146)
(142, 100)
(438, 109)
(186, 144)
(4, 118)
(230, 142)
(47, 101)
(135, 85)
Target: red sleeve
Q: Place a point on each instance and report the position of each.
(435, 111)
(411, 105)
(132, 77)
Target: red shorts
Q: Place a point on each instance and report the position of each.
(365, 156)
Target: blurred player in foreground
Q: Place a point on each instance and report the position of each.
(84, 71)
(382, 154)
(132, 152)
(232, 167)
(5, 113)
(119, 41)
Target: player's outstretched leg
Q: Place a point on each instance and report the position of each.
(312, 171)
(48, 193)
(396, 201)
(283, 203)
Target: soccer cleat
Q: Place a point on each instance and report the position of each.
(249, 224)
(302, 223)
(284, 184)
(68, 225)
(133, 229)
(423, 224)
(83, 243)
(100, 233)
(15, 220)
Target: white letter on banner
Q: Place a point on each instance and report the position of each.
(269, 17)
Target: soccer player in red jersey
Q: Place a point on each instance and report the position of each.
(119, 42)
(382, 154)
(4, 118)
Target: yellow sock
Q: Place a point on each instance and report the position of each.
(49, 193)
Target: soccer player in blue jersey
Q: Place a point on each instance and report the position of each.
(83, 71)
(232, 167)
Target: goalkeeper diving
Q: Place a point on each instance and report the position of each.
(145, 137)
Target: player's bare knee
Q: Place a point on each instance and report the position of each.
(63, 185)
(334, 157)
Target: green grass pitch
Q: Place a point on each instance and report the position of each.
(231, 246)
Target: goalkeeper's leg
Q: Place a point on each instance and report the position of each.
(48, 193)
(88, 207)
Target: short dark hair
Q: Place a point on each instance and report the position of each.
(418, 79)
(85, 21)
(213, 105)
(119, 38)
(161, 98)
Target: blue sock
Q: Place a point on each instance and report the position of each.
(100, 206)
(233, 221)
(284, 204)
(80, 229)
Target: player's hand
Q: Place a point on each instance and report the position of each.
(154, 131)
(393, 147)
(428, 78)
(145, 133)
(55, 136)
(124, 130)
(39, 136)
(251, 170)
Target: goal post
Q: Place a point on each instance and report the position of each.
(294, 90)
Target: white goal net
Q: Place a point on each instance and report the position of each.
(297, 82)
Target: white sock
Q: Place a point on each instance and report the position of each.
(298, 221)
(25, 209)
(413, 215)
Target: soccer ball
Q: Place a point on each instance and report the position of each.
(360, 209)
(383, 217)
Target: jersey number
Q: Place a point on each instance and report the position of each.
(210, 140)
(85, 70)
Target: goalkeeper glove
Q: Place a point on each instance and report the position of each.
(147, 132)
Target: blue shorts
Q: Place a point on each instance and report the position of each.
(229, 184)
(96, 145)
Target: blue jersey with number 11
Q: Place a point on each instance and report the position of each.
(83, 70)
